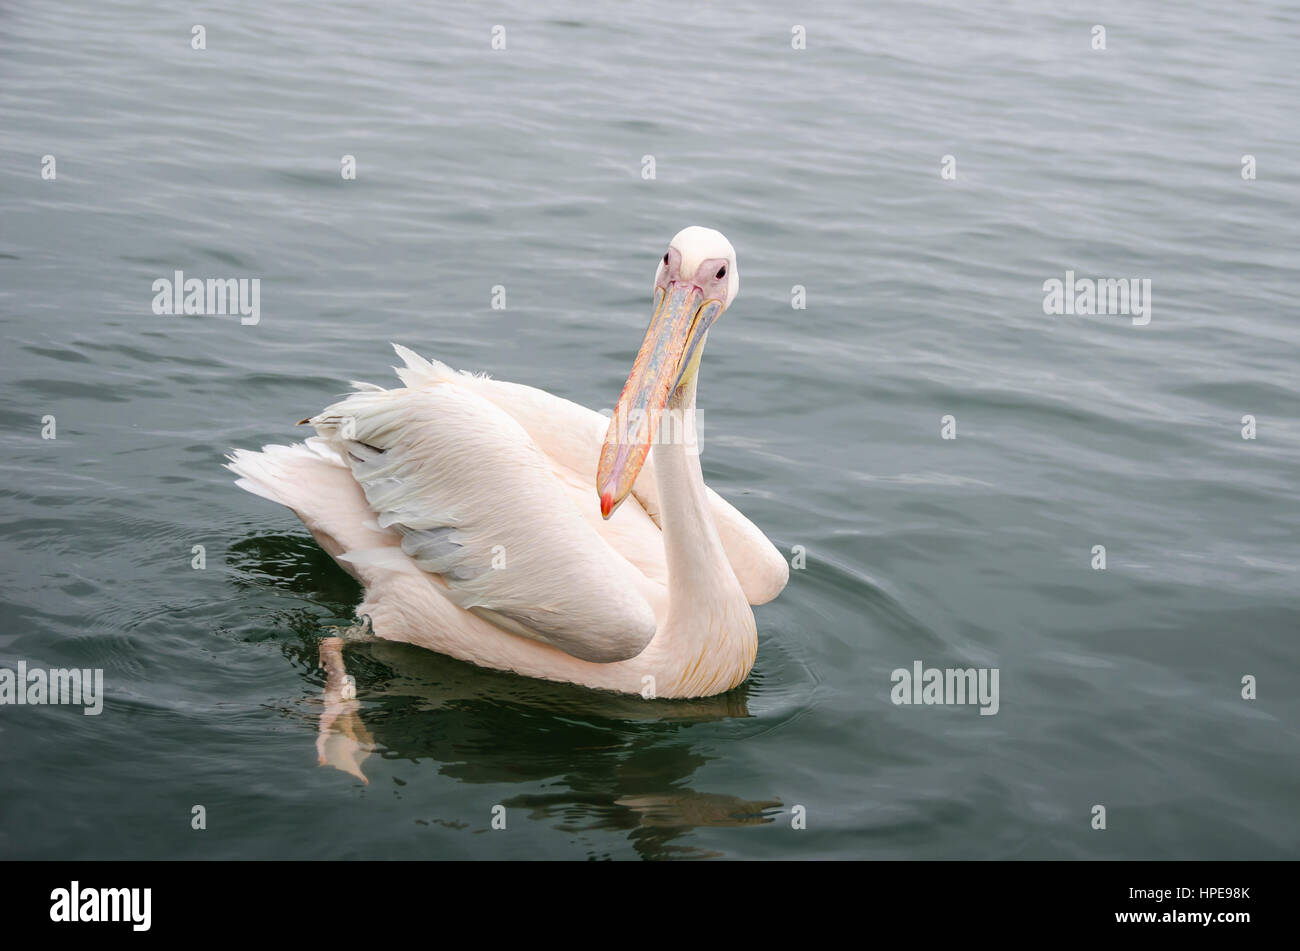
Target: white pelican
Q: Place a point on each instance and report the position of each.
(465, 507)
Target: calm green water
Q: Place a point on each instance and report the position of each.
(523, 168)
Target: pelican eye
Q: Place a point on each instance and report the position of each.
(722, 272)
(665, 257)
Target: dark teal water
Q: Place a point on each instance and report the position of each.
(523, 168)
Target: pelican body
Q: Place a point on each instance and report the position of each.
(516, 530)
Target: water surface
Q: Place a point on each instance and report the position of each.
(523, 168)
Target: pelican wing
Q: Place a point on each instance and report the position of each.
(571, 436)
(478, 505)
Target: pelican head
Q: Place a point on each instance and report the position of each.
(695, 282)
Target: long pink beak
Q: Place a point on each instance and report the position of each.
(674, 332)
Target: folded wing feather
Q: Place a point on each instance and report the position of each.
(477, 504)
